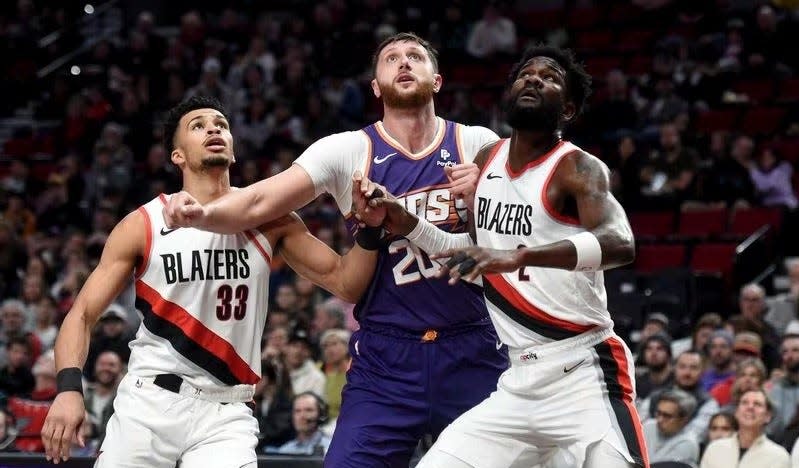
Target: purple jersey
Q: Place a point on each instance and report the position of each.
(404, 292)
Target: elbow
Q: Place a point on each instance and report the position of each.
(627, 254)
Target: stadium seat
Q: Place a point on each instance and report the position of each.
(762, 120)
(595, 41)
(703, 223)
(713, 120)
(746, 221)
(634, 40)
(656, 257)
(652, 225)
(714, 258)
(758, 91)
(584, 17)
(788, 90)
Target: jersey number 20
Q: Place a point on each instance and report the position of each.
(226, 309)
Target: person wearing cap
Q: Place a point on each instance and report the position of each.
(657, 372)
(305, 376)
(722, 365)
(112, 334)
(747, 345)
(656, 322)
(785, 390)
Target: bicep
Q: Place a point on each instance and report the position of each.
(306, 255)
(123, 249)
(588, 181)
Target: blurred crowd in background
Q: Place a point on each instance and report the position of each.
(695, 110)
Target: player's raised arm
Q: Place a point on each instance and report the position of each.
(123, 249)
(246, 208)
(345, 276)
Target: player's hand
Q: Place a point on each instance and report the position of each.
(463, 182)
(62, 426)
(363, 190)
(182, 210)
(470, 263)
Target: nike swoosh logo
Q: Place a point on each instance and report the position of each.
(566, 370)
(379, 160)
(165, 231)
(492, 176)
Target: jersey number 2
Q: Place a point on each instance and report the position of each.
(225, 309)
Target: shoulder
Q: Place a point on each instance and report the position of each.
(352, 140)
(475, 135)
(579, 171)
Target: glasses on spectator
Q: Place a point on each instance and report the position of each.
(665, 415)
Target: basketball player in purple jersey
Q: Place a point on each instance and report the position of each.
(425, 352)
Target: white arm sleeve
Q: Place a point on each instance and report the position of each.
(434, 240)
(331, 161)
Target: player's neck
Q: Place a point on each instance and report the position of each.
(527, 146)
(414, 129)
(207, 187)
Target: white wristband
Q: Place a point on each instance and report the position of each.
(434, 240)
(589, 252)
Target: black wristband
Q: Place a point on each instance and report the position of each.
(369, 237)
(69, 379)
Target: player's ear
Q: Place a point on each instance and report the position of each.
(375, 88)
(569, 111)
(438, 81)
(177, 157)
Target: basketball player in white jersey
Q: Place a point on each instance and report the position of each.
(545, 226)
(203, 300)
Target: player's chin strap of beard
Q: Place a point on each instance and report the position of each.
(372, 237)
(464, 262)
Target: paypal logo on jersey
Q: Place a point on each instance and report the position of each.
(444, 159)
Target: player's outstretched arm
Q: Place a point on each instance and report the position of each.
(607, 243)
(246, 208)
(123, 249)
(345, 276)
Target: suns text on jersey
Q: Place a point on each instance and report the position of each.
(206, 265)
(435, 205)
(504, 218)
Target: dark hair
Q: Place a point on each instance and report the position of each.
(728, 416)
(578, 81)
(174, 115)
(20, 340)
(322, 409)
(406, 36)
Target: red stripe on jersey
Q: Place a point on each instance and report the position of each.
(162, 197)
(519, 302)
(197, 332)
(251, 235)
(491, 156)
(514, 174)
(148, 244)
(623, 377)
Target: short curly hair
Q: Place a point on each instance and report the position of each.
(578, 81)
(173, 116)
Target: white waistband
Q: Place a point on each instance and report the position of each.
(237, 393)
(535, 353)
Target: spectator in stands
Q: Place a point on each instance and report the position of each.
(722, 424)
(614, 112)
(493, 35)
(666, 436)
(752, 305)
(308, 295)
(273, 404)
(749, 448)
(625, 168)
(112, 335)
(750, 375)
(655, 323)
(747, 345)
(335, 364)
(285, 300)
(687, 370)
(211, 84)
(45, 311)
(22, 220)
(275, 342)
(783, 307)
(772, 179)
(785, 390)
(668, 173)
(700, 336)
(327, 315)
(308, 414)
(657, 372)
(731, 182)
(12, 324)
(305, 376)
(31, 410)
(721, 366)
(16, 377)
(99, 396)
(12, 259)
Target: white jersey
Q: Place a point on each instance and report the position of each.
(533, 305)
(203, 300)
(331, 161)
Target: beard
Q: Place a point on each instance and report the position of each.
(543, 117)
(407, 100)
(213, 161)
